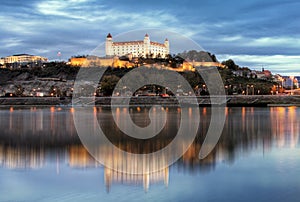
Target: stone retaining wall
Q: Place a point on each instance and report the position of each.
(257, 100)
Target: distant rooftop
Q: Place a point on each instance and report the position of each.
(23, 54)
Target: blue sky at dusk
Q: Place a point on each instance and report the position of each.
(253, 33)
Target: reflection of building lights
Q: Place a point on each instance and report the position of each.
(280, 128)
(21, 158)
(79, 157)
(293, 129)
(190, 111)
(52, 109)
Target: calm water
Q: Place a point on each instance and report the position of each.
(256, 159)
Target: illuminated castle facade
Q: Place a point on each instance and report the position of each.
(145, 48)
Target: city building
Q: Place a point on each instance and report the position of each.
(190, 66)
(290, 82)
(23, 60)
(77, 61)
(145, 48)
(92, 61)
(263, 75)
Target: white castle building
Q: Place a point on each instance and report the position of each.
(136, 48)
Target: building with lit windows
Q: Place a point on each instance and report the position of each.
(145, 48)
(21, 60)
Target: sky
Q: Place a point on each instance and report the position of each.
(254, 33)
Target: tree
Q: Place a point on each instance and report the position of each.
(108, 83)
(158, 56)
(19, 90)
(200, 56)
(230, 64)
(193, 78)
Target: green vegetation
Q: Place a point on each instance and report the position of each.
(198, 56)
(243, 83)
(53, 70)
(230, 64)
(108, 82)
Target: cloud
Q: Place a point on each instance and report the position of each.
(281, 64)
(257, 28)
(10, 42)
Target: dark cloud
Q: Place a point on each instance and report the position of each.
(233, 27)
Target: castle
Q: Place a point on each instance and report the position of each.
(145, 48)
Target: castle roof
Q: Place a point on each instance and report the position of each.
(122, 43)
(156, 44)
(126, 43)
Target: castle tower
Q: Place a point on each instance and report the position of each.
(146, 45)
(109, 51)
(167, 45)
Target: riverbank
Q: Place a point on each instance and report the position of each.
(239, 100)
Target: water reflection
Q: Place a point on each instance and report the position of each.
(17, 157)
(50, 126)
(26, 133)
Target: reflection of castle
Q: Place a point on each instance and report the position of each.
(246, 129)
(80, 158)
(146, 179)
(136, 48)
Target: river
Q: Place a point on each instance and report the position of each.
(257, 157)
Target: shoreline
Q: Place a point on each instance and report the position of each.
(231, 101)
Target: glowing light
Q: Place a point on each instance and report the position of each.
(52, 109)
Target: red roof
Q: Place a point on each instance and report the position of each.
(157, 44)
(127, 43)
